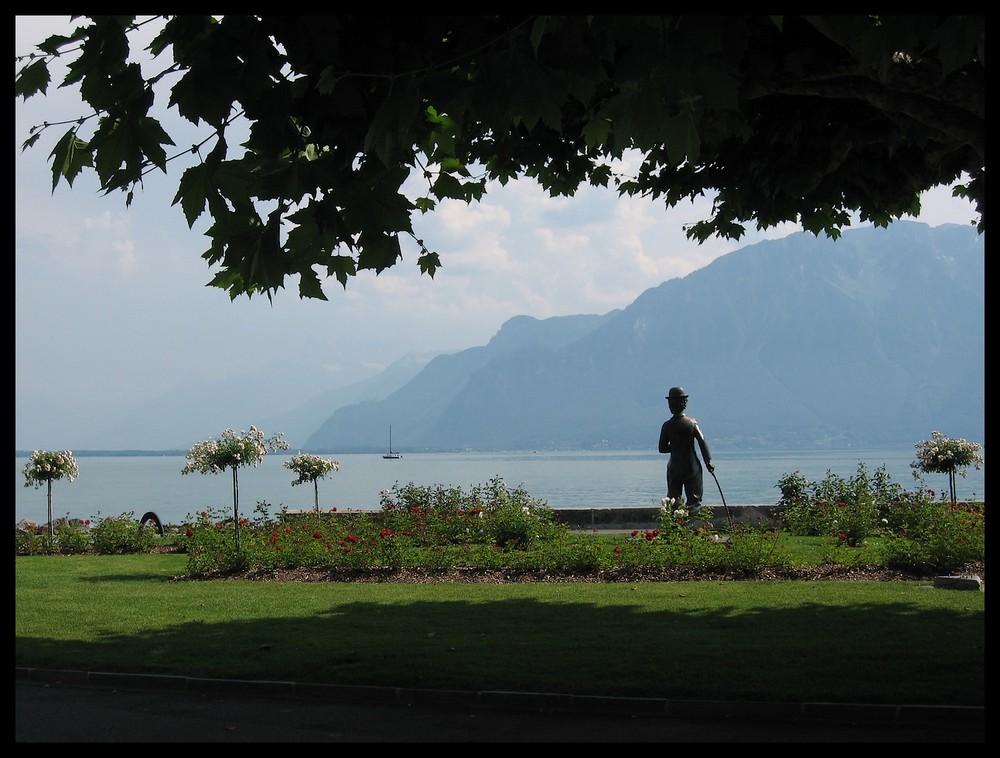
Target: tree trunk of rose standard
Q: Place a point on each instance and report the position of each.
(316, 493)
(236, 506)
(52, 530)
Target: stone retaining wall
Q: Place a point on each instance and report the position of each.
(646, 517)
(639, 517)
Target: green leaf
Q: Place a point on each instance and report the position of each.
(53, 44)
(309, 285)
(447, 186)
(537, 32)
(600, 176)
(30, 142)
(391, 126)
(69, 156)
(113, 149)
(151, 138)
(531, 95)
(192, 192)
(380, 206)
(596, 132)
(425, 204)
(34, 78)
(328, 79)
(429, 263)
(378, 251)
(681, 138)
(342, 267)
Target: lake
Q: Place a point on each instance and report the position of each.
(113, 485)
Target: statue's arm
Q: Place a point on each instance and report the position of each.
(706, 454)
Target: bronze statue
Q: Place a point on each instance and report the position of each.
(677, 437)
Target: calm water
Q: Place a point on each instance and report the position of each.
(111, 486)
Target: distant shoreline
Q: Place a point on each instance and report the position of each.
(717, 450)
(113, 453)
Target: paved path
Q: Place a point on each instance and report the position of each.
(49, 708)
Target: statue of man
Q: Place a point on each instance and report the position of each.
(677, 437)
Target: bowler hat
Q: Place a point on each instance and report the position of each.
(676, 392)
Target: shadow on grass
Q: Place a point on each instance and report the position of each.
(804, 650)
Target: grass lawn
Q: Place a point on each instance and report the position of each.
(837, 641)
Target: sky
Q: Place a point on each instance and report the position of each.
(112, 311)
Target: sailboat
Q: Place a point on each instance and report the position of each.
(391, 454)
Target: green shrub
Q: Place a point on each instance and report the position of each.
(69, 536)
(72, 536)
(914, 532)
(751, 550)
(121, 535)
(491, 527)
(32, 542)
(850, 509)
(488, 513)
(936, 538)
(211, 547)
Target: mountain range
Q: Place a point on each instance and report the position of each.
(870, 340)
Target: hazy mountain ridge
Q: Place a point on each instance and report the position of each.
(874, 339)
(199, 409)
(428, 396)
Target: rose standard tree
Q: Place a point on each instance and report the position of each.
(311, 468)
(46, 465)
(947, 455)
(232, 451)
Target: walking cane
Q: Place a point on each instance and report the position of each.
(728, 514)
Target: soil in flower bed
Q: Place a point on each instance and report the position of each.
(503, 576)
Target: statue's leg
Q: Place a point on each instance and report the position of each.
(674, 487)
(695, 491)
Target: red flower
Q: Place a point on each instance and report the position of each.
(204, 514)
(318, 535)
(189, 532)
(618, 549)
(650, 536)
(634, 532)
(842, 536)
(386, 532)
(351, 538)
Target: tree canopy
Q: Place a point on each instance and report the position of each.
(808, 119)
